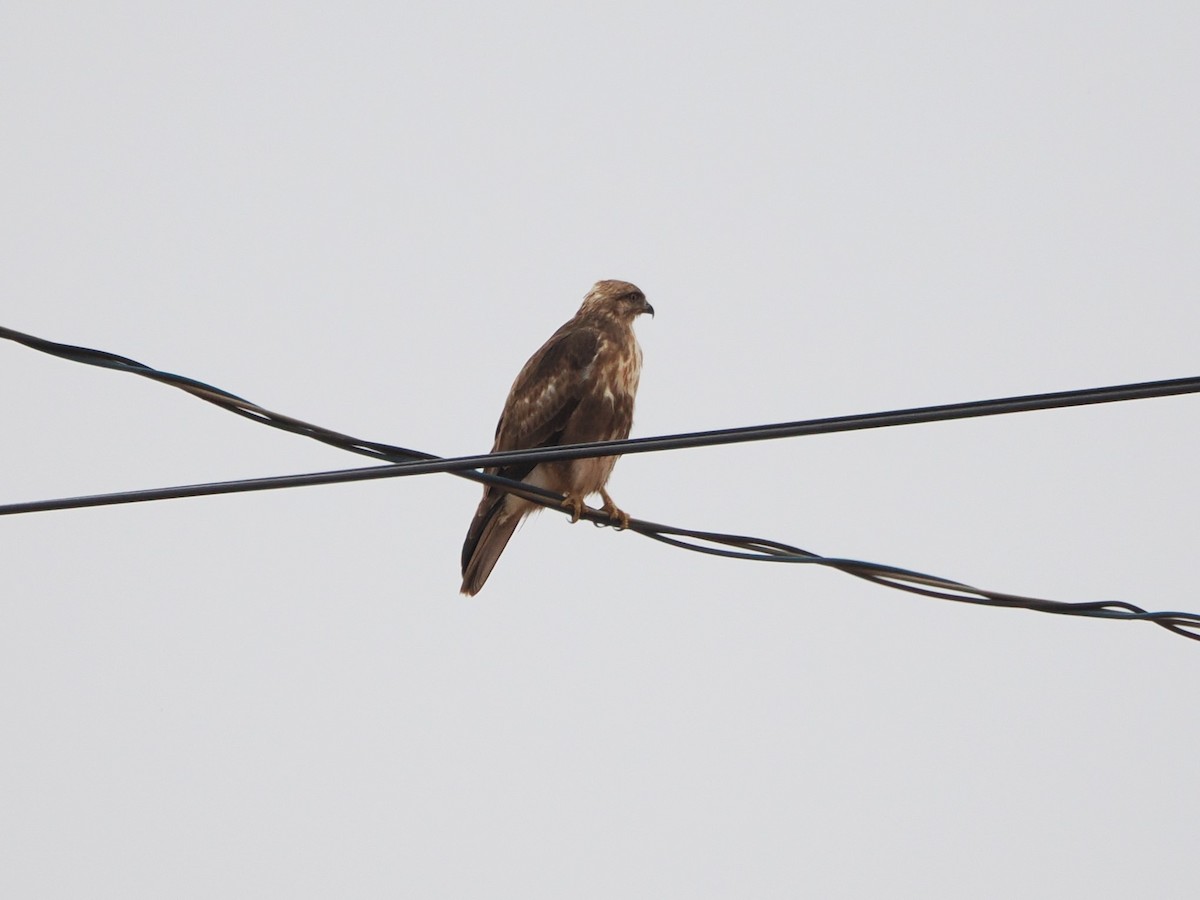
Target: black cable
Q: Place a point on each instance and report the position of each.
(751, 548)
(415, 462)
(242, 407)
(830, 425)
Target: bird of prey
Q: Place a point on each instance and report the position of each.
(579, 387)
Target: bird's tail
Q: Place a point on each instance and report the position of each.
(493, 525)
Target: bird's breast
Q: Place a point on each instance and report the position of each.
(621, 369)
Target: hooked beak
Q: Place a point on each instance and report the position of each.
(649, 309)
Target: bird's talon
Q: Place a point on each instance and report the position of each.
(619, 518)
(575, 505)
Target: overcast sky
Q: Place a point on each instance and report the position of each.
(369, 216)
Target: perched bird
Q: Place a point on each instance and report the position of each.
(579, 387)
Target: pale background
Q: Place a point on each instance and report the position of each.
(369, 216)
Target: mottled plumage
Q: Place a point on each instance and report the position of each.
(578, 387)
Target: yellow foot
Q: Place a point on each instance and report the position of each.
(574, 502)
(613, 513)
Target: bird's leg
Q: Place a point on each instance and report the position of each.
(574, 502)
(611, 509)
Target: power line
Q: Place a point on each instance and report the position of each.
(419, 463)
(713, 543)
(412, 462)
(775, 431)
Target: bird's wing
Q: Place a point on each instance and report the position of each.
(546, 393)
(541, 402)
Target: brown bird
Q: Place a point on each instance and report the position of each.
(579, 387)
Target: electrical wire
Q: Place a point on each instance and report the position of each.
(412, 462)
(775, 431)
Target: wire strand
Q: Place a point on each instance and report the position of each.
(406, 462)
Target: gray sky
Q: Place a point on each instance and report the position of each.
(369, 217)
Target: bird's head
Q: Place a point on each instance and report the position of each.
(618, 299)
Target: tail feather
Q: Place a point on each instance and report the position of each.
(489, 534)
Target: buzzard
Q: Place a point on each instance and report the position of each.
(578, 387)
